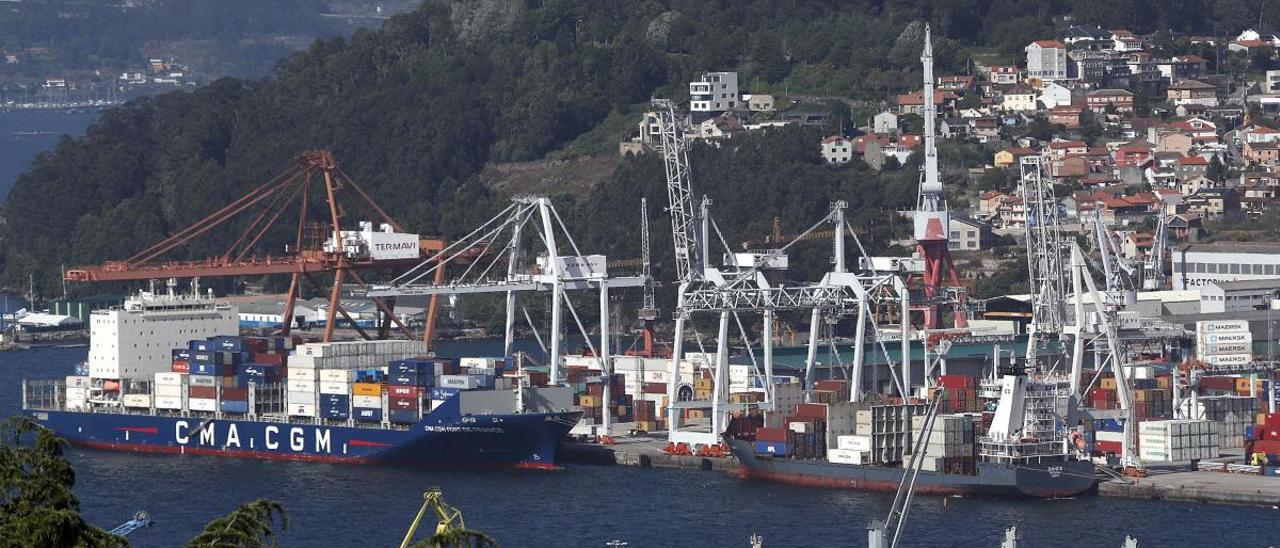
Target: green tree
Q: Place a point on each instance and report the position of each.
(37, 505)
(251, 525)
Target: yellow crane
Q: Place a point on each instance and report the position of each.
(447, 517)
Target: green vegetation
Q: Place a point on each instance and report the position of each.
(37, 506)
(416, 109)
(250, 525)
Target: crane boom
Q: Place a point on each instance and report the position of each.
(684, 228)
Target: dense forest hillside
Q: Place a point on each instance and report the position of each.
(415, 110)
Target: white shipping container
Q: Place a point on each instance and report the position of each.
(308, 398)
(854, 443)
(302, 410)
(1222, 326)
(202, 380)
(367, 402)
(336, 375)
(1225, 338)
(168, 402)
(77, 381)
(801, 427)
(300, 385)
(848, 456)
(457, 381)
(136, 400)
(169, 390)
(202, 404)
(340, 388)
(1229, 359)
(170, 378)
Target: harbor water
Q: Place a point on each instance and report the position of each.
(24, 134)
(353, 505)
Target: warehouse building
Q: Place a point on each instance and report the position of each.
(1240, 295)
(1196, 265)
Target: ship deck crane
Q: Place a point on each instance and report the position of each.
(313, 173)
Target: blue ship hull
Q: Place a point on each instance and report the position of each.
(441, 438)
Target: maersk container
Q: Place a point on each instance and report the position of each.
(775, 448)
(399, 416)
(368, 414)
(443, 393)
(234, 406)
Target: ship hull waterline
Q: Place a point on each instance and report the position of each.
(528, 441)
(1051, 480)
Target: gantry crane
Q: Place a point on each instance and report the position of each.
(315, 248)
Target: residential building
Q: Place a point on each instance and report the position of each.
(1123, 40)
(1271, 83)
(1067, 115)
(759, 102)
(913, 103)
(885, 123)
(1011, 156)
(1262, 153)
(1110, 100)
(837, 150)
(1196, 265)
(1191, 166)
(1018, 99)
(984, 129)
(1213, 203)
(968, 235)
(1193, 185)
(1062, 148)
(1187, 92)
(714, 92)
(723, 126)
(1004, 75)
(1260, 134)
(1047, 60)
(1087, 36)
(1053, 94)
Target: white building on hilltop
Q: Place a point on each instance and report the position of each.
(1047, 60)
(714, 92)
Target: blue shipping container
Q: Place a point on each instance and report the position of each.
(367, 414)
(411, 379)
(1108, 425)
(201, 368)
(182, 354)
(417, 367)
(442, 393)
(776, 448)
(483, 381)
(199, 345)
(228, 344)
(234, 406)
(401, 416)
(337, 413)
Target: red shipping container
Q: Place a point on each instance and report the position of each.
(655, 388)
(955, 381)
(267, 358)
(1269, 447)
(771, 434)
(257, 344)
(538, 378)
(1273, 421)
(207, 392)
(1218, 383)
(403, 404)
(180, 366)
(238, 394)
(595, 389)
(1108, 447)
(811, 411)
(403, 391)
(832, 386)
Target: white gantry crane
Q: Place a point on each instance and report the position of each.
(542, 258)
(1044, 259)
(742, 287)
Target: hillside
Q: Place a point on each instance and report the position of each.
(417, 109)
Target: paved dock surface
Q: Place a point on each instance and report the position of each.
(644, 452)
(1196, 486)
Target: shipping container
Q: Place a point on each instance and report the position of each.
(164, 377)
(770, 447)
(299, 385)
(169, 402)
(401, 416)
(203, 392)
(234, 406)
(403, 403)
(136, 400)
(366, 401)
(202, 404)
(368, 414)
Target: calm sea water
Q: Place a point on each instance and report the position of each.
(26, 133)
(349, 505)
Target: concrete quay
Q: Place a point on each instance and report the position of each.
(1198, 486)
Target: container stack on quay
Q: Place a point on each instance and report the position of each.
(1177, 440)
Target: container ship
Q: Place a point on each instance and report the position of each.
(170, 374)
(1021, 449)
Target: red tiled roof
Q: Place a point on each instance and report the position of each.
(1193, 161)
(1049, 44)
(1067, 144)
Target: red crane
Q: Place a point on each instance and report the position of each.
(313, 172)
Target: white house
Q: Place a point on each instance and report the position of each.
(1019, 99)
(1053, 94)
(837, 150)
(885, 123)
(1047, 60)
